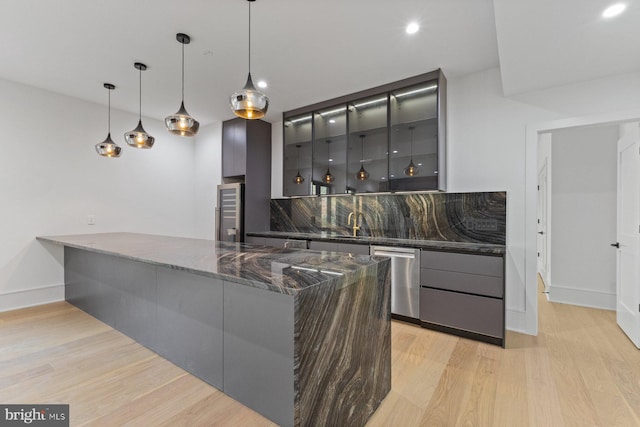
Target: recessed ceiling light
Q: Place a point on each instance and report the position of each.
(331, 160)
(262, 84)
(412, 28)
(395, 151)
(332, 121)
(614, 10)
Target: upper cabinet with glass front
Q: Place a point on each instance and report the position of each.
(388, 138)
(297, 155)
(329, 150)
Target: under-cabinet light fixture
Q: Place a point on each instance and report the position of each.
(373, 101)
(414, 91)
(330, 112)
(301, 119)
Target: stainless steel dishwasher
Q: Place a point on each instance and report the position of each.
(405, 281)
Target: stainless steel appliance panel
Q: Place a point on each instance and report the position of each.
(405, 279)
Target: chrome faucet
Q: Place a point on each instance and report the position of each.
(355, 215)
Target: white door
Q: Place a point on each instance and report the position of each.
(628, 234)
(542, 222)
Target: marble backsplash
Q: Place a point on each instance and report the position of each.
(456, 217)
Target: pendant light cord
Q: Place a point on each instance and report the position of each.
(140, 96)
(109, 114)
(183, 72)
(249, 37)
(411, 146)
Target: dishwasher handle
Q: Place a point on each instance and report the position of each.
(409, 255)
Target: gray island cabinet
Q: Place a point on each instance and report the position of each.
(302, 337)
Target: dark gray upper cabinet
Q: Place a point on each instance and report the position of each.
(388, 138)
(241, 141)
(246, 156)
(234, 148)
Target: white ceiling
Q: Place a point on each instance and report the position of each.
(308, 51)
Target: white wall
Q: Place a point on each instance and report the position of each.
(583, 264)
(51, 179)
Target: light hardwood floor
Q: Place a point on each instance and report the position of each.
(579, 371)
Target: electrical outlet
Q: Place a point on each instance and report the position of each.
(91, 220)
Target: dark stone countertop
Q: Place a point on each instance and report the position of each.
(280, 270)
(433, 245)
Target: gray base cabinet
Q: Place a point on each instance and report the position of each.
(463, 294)
(259, 350)
(188, 302)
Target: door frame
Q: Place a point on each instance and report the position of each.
(545, 167)
(531, 197)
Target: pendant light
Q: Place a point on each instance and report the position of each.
(181, 123)
(362, 174)
(298, 179)
(108, 148)
(138, 137)
(249, 103)
(328, 178)
(411, 170)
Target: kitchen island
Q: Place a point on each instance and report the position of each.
(301, 337)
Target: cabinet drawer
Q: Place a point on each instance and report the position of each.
(275, 242)
(253, 240)
(354, 249)
(472, 313)
(323, 246)
(463, 263)
(462, 282)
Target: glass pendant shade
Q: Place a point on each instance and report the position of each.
(411, 169)
(328, 178)
(181, 123)
(298, 179)
(139, 138)
(108, 148)
(362, 174)
(249, 103)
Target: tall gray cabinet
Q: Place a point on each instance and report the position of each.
(246, 157)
